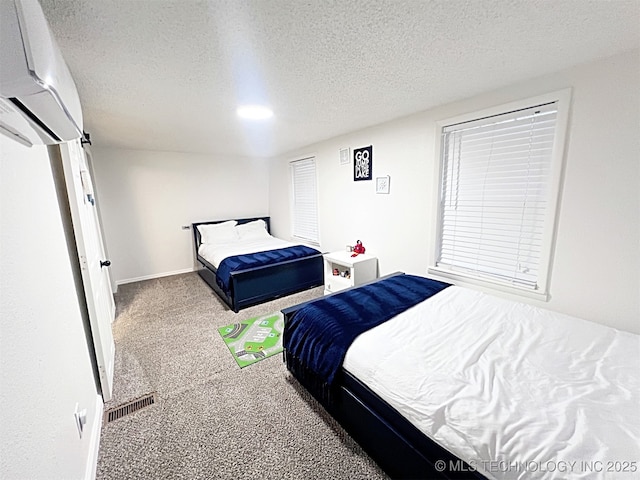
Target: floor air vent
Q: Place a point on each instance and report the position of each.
(128, 408)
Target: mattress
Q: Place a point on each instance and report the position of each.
(215, 254)
(516, 391)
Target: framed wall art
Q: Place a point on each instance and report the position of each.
(344, 156)
(382, 184)
(363, 163)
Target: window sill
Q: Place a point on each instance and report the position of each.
(305, 241)
(467, 280)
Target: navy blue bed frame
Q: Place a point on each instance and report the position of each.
(397, 446)
(257, 285)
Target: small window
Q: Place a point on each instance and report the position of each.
(498, 192)
(305, 208)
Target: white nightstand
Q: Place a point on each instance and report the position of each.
(357, 270)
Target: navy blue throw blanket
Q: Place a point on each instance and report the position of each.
(260, 259)
(317, 336)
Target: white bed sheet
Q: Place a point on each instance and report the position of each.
(540, 394)
(215, 254)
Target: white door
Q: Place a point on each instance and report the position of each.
(107, 271)
(93, 264)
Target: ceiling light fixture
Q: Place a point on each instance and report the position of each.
(254, 112)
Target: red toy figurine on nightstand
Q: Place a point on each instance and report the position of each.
(358, 248)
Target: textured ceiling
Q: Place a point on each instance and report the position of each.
(168, 75)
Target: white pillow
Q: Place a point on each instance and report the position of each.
(254, 230)
(218, 233)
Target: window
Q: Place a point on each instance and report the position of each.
(305, 208)
(500, 177)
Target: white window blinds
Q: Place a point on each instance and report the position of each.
(305, 208)
(495, 195)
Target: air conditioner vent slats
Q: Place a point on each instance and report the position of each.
(128, 408)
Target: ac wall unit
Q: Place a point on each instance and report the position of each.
(39, 102)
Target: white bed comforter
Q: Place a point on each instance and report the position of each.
(214, 254)
(516, 391)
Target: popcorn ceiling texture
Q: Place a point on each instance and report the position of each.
(211, 419)
(169, 74)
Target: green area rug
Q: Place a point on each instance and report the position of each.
(254, 339)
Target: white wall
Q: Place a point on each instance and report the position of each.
(147, 196)
(596, 270)
(44, 361)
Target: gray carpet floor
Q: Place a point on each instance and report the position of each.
(212, 420)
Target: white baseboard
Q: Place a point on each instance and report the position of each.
(157, 275)
(94, 441)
